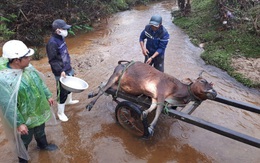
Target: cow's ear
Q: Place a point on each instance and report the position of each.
(187, 81)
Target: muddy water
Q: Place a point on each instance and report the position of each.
(93, 136)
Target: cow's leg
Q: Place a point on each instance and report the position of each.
(111, 81)
(101, 87)
(151, 108)
(159, 109)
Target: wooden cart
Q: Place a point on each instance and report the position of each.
(129, 110)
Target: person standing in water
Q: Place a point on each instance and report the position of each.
(157, 38)
(60, 62)
(25, 99)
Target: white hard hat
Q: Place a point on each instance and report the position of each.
(16, 49)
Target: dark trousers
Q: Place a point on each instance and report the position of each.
(39, 135)
(157, 62)
(62, 93)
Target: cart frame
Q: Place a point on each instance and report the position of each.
(144, 102)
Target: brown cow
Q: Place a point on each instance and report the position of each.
(137, 78)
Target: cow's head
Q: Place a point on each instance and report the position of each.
(202, 89)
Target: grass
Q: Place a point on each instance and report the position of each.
(203, 26)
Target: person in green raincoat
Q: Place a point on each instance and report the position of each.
(25, 99)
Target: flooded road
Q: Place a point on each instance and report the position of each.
(95, 137)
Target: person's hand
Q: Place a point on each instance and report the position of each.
(145, 51)
(149, 60)
(63, 74)
(51, 101)
(22, 129)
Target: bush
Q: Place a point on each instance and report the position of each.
(229, 30)
(30, 21)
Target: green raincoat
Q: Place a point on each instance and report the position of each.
(33, 108)
(23, 99)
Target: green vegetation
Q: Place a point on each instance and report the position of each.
(5, 32)
(238, 37)
(30, 21)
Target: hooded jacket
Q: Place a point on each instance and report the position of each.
(156, 40)
(58, 55)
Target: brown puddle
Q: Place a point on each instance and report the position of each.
(94, 136)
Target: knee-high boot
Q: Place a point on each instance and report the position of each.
(61, 114)
(44, 145)
(69, 100)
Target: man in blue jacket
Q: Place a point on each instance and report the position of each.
(157, 38)
(60, 62)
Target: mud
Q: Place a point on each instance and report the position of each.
(248, 67)
(94, 136)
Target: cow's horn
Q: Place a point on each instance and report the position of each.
(200, 74)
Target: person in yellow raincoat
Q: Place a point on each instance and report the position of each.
(25, 99)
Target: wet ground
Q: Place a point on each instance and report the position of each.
(95, 137)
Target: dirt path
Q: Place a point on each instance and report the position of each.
(249, 67)
(95, 137)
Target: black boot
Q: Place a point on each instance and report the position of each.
(50, 147)
(22, 160)
(43, 144)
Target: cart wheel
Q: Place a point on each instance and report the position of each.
(128, 115)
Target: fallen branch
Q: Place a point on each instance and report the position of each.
(24, 15)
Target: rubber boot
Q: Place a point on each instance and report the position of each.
(61, 114)
(69, 100)
(43, 144)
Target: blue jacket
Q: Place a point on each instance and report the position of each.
(58, 55)
(156, 40)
